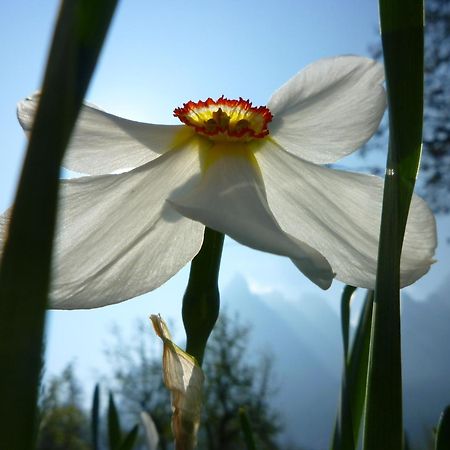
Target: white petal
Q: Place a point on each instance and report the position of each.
(184, 378)
(118, 238)
(102, 143)
(338, 213)
(231, 199)
(329, 109)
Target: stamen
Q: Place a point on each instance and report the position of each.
(241, 125)
(211, 125)
(221, 118)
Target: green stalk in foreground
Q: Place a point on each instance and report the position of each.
(353, 389)
(357, 365)
(26, 261)
(443, 431)
(343, 428)
(402, 39)
(201, 300)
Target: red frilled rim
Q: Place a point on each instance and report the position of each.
(225, 117)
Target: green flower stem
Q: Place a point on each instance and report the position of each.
(201, 300)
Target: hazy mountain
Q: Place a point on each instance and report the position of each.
(426, 360)
(304, 339)
(315, 323)
(308, 388)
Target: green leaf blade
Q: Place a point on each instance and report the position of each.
(95, 417)
(114, 431)
(358, 365)
(402, 39)
(353, 388)
(345, 318)
(26, 259)
(443, 431)
(130, 439)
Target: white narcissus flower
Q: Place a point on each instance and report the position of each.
(255, 174)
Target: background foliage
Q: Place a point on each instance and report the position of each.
(234, 379)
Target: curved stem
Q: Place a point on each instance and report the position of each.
(201, 300)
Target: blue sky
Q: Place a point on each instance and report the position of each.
(157, 56)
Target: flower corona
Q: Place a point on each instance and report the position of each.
(226, 120)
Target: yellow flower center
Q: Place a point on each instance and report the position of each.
(226, 120)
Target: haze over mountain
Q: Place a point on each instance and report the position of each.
(308, 385)
(305, 342)
(426, 360)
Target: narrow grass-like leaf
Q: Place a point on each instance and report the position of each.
(345, 318)
(343, 430)
(95, 417)
(358, 365)
(246, 429)
(114, 431)
(343, 437)
(443, 431)
(402, 40)
(25, 265)
(201, 301)
(354, 390)
(130, 439)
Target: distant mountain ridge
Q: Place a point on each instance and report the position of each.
(298, 367)
(426, 360)
(305, 342)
